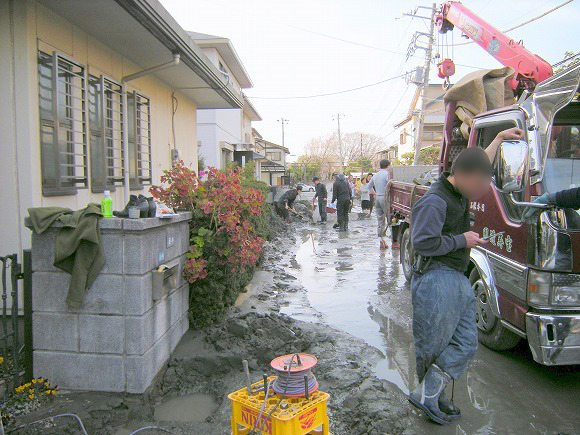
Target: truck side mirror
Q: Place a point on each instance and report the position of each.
(511, 166)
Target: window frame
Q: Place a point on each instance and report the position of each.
(55, 185)
(136, 178)
(111, 167)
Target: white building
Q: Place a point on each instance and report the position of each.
(225, 136)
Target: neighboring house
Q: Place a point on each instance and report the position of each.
(225, 136)
(273, 168)
(408, 128)
(63, 66)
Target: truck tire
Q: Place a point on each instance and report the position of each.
(490, 331)
(407, 254)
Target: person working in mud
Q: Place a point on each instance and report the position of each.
(322, 195)
(378, 188)
(286, 203)
(444, 326)
(341, 194)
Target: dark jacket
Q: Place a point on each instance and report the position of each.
(78, 249)
(569, 198)
(321, 192)
(439, 220)
(288, 197)
(340, 191)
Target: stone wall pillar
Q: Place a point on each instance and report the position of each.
(121, 337)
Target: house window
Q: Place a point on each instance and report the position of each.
(403, 138)
(274, 156)
(63, 124)
(106, 128)
(139, 132)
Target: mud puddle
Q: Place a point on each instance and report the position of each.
(190, 408)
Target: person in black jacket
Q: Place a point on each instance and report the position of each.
(286, 202)
(322, 195)
(341, 194)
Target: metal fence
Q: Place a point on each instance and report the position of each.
(16, 329)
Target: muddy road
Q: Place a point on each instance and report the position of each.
(349, 284)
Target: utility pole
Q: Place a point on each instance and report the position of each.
(426, 69)
(284, 121)
(339, 143)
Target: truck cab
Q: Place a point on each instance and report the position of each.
(527, 279)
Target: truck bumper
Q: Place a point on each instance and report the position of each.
(554, 339)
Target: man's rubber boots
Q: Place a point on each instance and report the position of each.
(448, 407)
(426, 395)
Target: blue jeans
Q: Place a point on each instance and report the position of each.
(443, 320)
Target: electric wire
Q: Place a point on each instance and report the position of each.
(329, 93)
(76, 417)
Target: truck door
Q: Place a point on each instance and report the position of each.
(496, 214)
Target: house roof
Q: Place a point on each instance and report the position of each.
(269, 145)
(228, 53)
(143, 32)
(413, 106)
(250, 110)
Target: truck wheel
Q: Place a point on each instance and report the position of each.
(407, 254)
(491, 332)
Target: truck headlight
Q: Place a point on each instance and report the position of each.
(547, 289)
(539, 284)
(566, 290)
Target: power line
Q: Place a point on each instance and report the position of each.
(525, 22)
(330, 93)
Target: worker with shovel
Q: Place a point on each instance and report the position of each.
(286, 203)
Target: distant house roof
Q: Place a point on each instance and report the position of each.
(228, 53)
(274, 145)
(413, 106)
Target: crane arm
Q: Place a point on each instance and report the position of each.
(529, 68)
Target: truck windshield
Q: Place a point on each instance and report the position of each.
(562, 170)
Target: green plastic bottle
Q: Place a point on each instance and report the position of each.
(107, 205)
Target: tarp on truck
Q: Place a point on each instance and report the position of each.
(479, 92)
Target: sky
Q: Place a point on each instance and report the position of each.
(294, 49)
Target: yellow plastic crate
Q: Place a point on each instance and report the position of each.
(294, 416)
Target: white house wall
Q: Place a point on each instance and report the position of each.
(30, 27)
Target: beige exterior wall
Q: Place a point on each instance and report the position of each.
(33, 28)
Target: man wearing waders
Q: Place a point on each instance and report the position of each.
(444, 326)
(378, 188)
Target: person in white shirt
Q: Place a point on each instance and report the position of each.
(378, 188)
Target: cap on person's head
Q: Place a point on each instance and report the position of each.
(335, 174)
(472, 160)
(384, 164)
(299, 187)
(314, 178)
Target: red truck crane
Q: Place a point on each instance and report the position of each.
(527, 280)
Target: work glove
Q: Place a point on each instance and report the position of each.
(531, 214)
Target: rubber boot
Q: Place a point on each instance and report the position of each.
(448, 407)
(426, 396)
(125, 212)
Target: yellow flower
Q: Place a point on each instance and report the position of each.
(27, 385)
(40, 380)
(47, 384)
(34, 381)
(31, 396)
(1, 360)
(31, 391)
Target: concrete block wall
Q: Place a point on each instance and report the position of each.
(120, 338)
